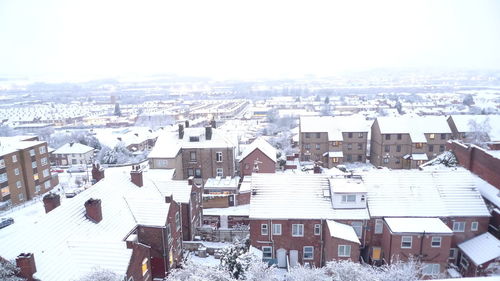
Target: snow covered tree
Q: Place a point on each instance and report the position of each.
(349, 271)
(302, 273)
(98, 274)
(117, 112)
(479, 132)
(197, 272)
(8, 271)
(398, 270)
(6, 131)
(468, 100)
(234, 260)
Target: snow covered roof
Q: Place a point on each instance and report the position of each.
(73, 148)
(462, 122)
(415, 193)
(482, 248)
(415, 126)
(416, 156)
(66, 237)
(148, 210)
(334, 126)
(342, 231)
(349, 185)
(263, 146)
(334, 154)
(241, 210)
(222, 183)
(488, 191)
(417, 225)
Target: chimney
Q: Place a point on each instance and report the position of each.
(181, 131)
(186, 123)
(169, 198)
(317, 169)
(71, 144)
(213, 124)
(51, 201)
(208, 133)
(27, 266)
(136, 175)
(93, 210)
(97, 172)
(191, 181)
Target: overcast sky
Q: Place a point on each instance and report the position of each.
(243, 39)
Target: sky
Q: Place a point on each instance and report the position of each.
(243, 39)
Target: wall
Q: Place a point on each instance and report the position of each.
(247, 164)
(134, 270)
(331, 248)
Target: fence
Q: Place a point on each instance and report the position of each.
(221, 235)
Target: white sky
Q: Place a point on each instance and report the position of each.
(243, 39)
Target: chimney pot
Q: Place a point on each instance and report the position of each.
(169, 199)
(181, 131)
(208, 133)
(136, 176)
(26, 264)
(186, 123)
(93, 210)
(191, 181)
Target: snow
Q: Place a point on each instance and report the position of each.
(73, 148)
(482, 248)
(332, 154)
(419, 156)
(347, 185)
(342, 231)
(261, 145)
(210, 261)
(241, 210)
(416, 127)
(417, 225)
(334, 125)
(220, 183)
(463, 125)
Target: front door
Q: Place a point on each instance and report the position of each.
(224, 221)
(294, 258)
(281, 256)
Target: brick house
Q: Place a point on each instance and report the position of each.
(73, 154)
(24, 170)
(201, 153)
(258, 157)
(406, 143)
(341, 242)
(479, 255)
(333, 140)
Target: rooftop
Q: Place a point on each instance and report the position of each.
(482, 248)
(416, 126)
(73, 148)
(342, 231)
(263, 146)
(417, 225)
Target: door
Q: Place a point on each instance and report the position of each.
(223, 221)
(231, 200)
(294, 258)
(281, 256)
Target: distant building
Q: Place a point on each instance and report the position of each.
(473, 128)
(73, 154)
(258, 157)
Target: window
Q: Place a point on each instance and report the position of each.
(144, 266)
(177, 221)
(441, 148)
(197, 173)
(360, 158)
(360, 146)
(42, 149)
(263, 229)
(276, 229)
(398, 160)
(387, 137)
(16, 171)
(74, 162)
(432, 136)
(35, 176)
(32, 152)
(37, 188)
(308, 135)
(349, 157)
(349, 146)
(431, 148)
(317, 229)
(194, 138)
(335, 160)
(360, 135)
(419, 145)
(20, 196)
(267, 252)
(218, 156)
(192, 156)
(474, 226)
(308, 252)
(190, 172)
(406, 242)
(386, 160)
(297, 230)
(3, 177)
(307, 146)
(443, 136)
(45, 173)
(335, 143)
(387, 148)
(459, 226)
(4, 191)
(400, 136)
(349, 135)
(318, 135)
(14, 158)
(169, 234)
(33, 164)
(358, 228)
(398, 148)
(344, 251)
(44, 161)
(431, 269)
(464, 263)
(436, 242)
(453, 253)
(19, 184)
(47, 184)
(219, 172)
(318, 146)
(379, 226)
(348, 198)
(2, 163)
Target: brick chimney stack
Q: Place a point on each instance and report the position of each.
(51, 201)
(97, 172)
(93, 210)
(27, 266)
(208, 133)
(213, 124)
(136, 175)
(181, 131)
(169, 198)
(186, 123)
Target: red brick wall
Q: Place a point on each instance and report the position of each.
(478, 161)
(243, 198)
(267, 165)
(139, 253)
(331, 248)
(459, 237)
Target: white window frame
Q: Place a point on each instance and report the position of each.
(459, 226)
(47, 184)
(14, 158)
(218, 156)
(464, 262)
(43, 161)
(379, 226)
(33, 164)
(42, 149)
(403, 238)
(2, 163)
(3, 177)
(16, 171)
(431, 269)
(37, 188)
(347, 198)
(267, 250)
(317, 229)
(474, 226)
(46, 173)
(310, 251)
(19, 184)
(276, 228)
(264, 229)
(32, 152)
(177, 221)
(358, 228)
(219, 172)
(436, 239)
(455, 252)
(191, 158)
(344, 251)
(20, 196)
(297, 230)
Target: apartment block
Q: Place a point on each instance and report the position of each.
(333, 140)
(407, 142)
(24, 170)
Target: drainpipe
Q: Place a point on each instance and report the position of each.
(271, 236)
(422, 246)
(322, 243)
(164, 249)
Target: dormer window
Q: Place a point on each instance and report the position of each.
(349, 198)
(194, 138)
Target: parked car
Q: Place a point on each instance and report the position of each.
(73, 192)
(4, 222)
(57, 170)
(75, 169)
